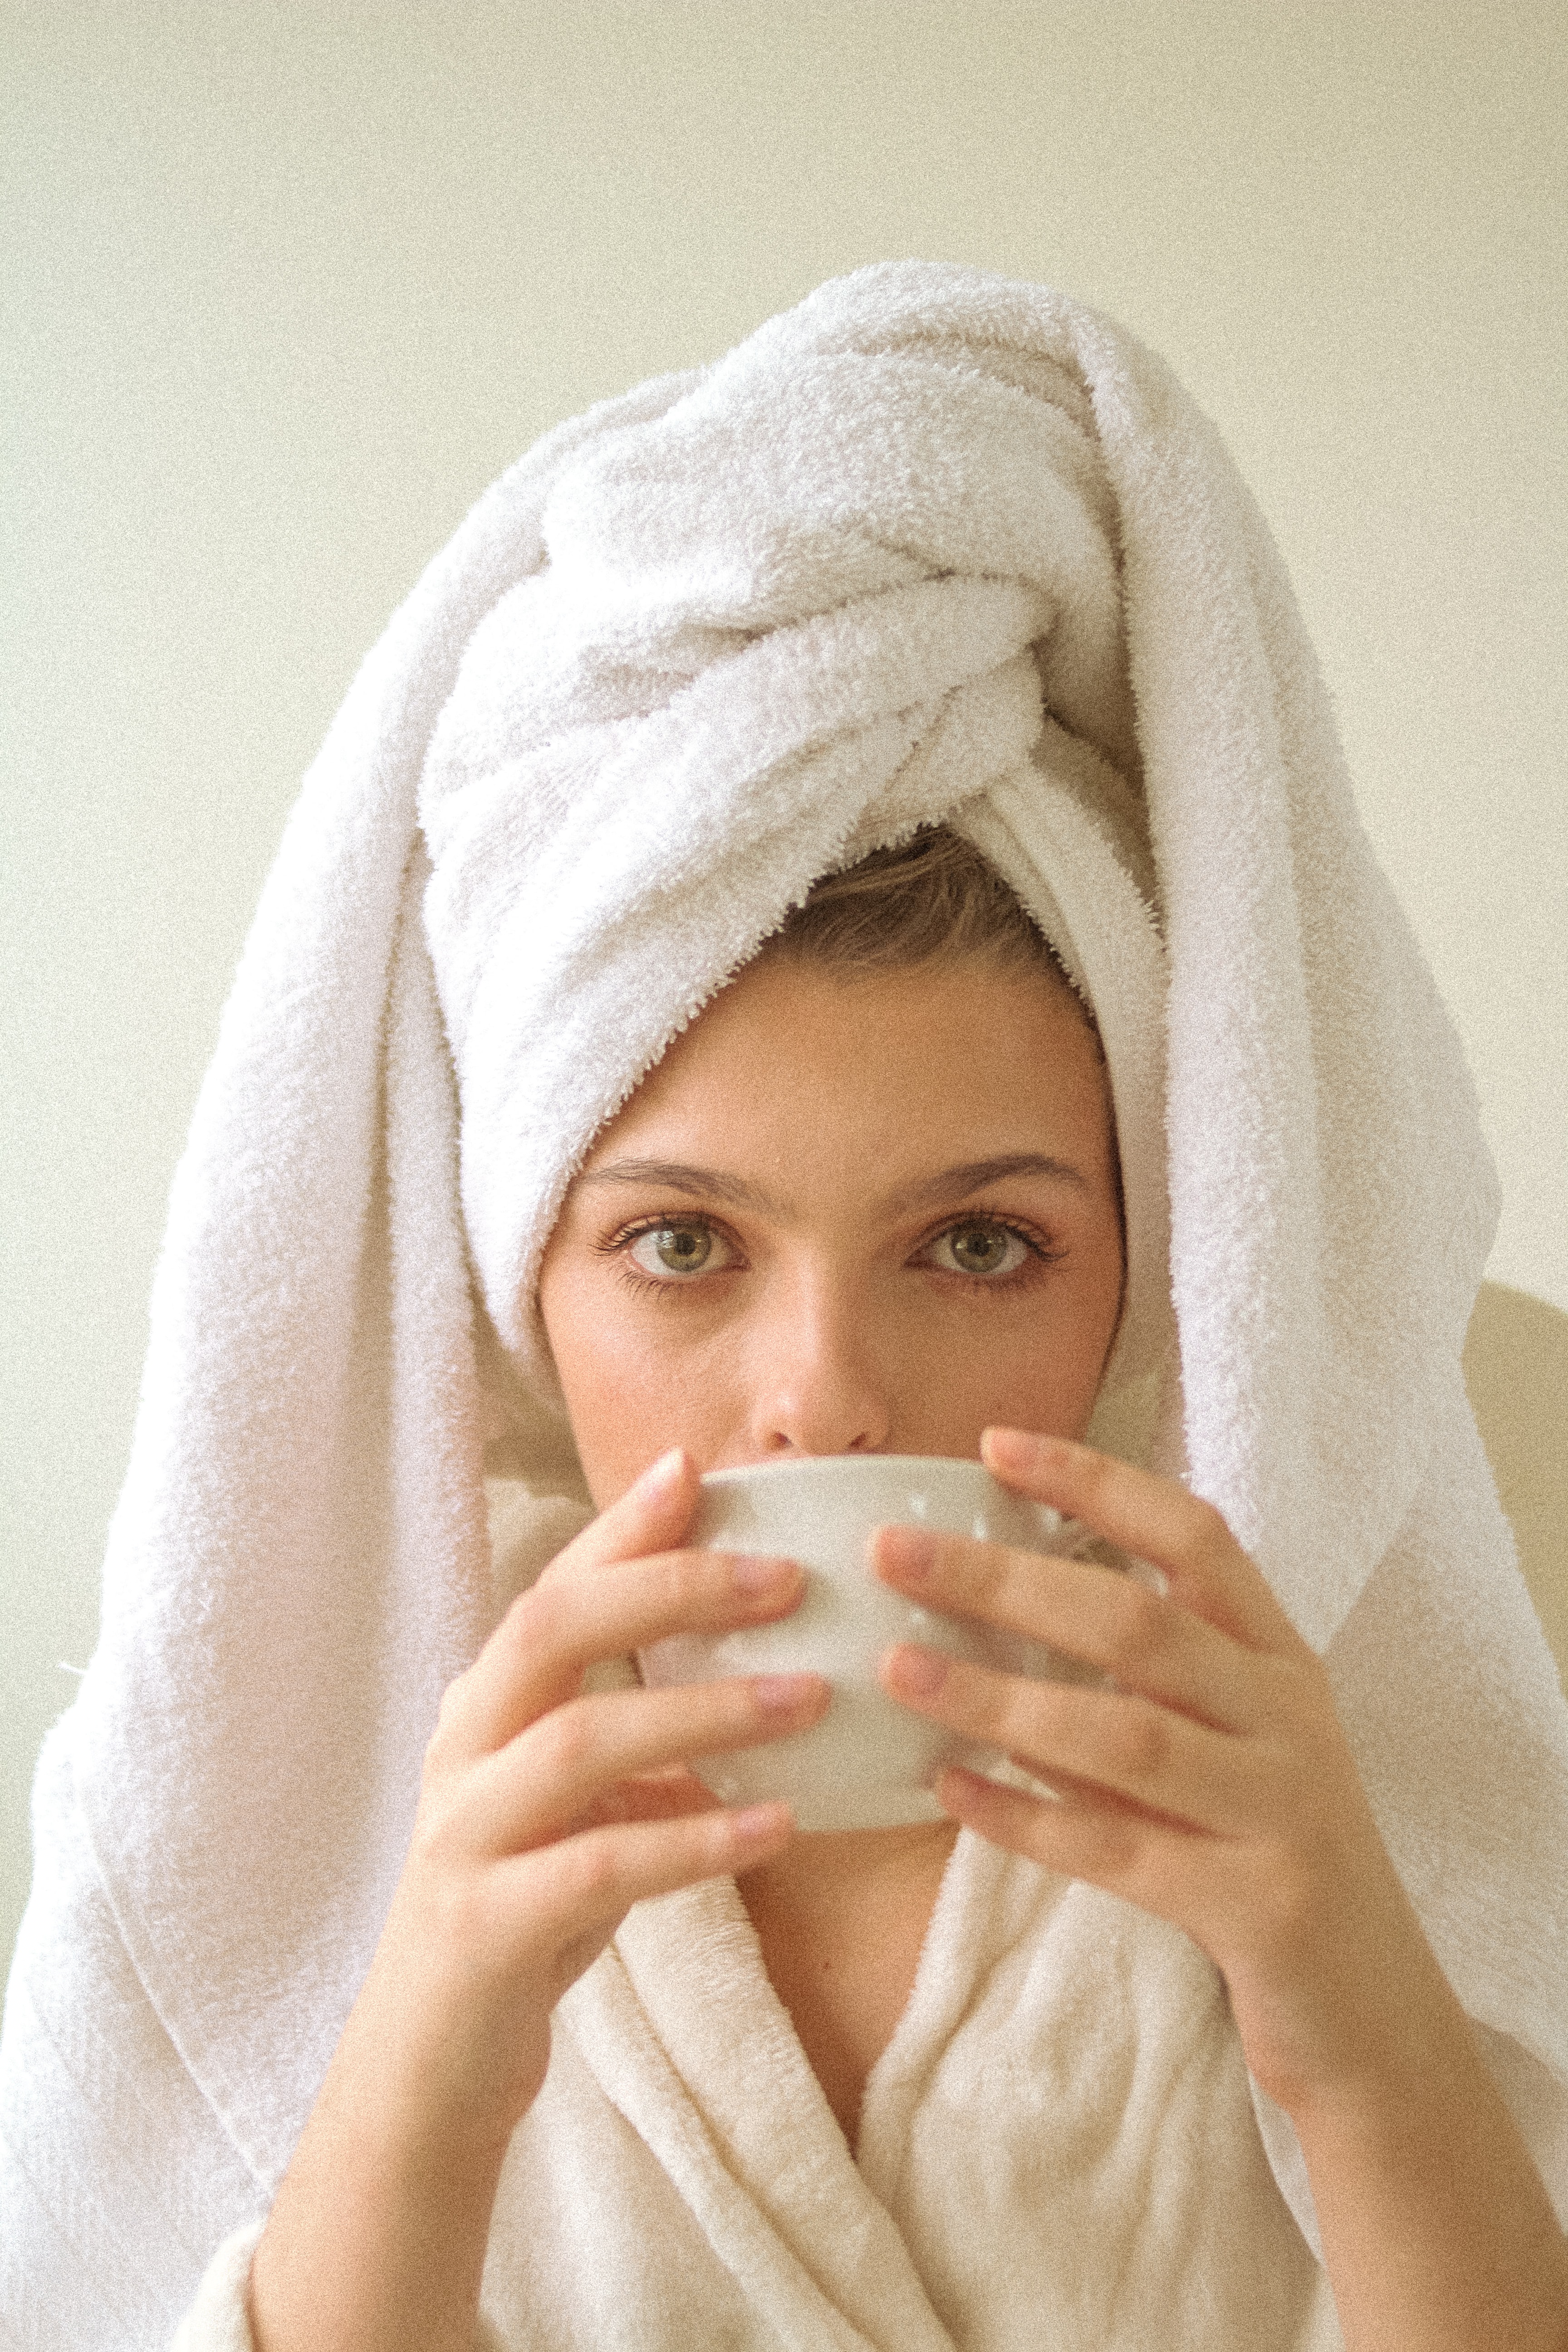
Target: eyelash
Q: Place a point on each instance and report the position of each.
(1042, 1254)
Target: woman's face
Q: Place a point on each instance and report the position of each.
(843, 1216)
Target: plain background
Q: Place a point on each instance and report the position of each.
(285, 287)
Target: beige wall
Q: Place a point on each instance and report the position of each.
(289, 284)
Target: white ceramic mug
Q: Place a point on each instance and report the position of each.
(869, 1762)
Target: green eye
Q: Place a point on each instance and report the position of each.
(676, 1249)
(983, 1248)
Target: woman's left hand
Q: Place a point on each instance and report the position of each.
(1213, 1785)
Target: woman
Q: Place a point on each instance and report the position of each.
(902, 562)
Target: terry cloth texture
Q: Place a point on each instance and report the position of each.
(932, 546)
(1057, 2149)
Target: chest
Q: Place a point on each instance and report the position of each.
(1066, 2154)
(841, 1954)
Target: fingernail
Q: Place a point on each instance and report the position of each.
(783, 1694)
(922, 1672)
(661, 1475)
(754, 1823)
(1025, 1444)
(753, 1575)
(909, 1552)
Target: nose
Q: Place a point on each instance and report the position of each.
(817, 1387)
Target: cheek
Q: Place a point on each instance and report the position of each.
(576, 1336)
(596, 1359)
(624, 1396)
(1054, 1358)
(1100, 1294)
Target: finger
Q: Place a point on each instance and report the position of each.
(589, 1883)
(653, 1515)
(546, 1780)
(536, 1657)
(1093, 1838)
(575, 1615)
(1147, 1642)
(1161, 1760)
(479, 1708)
(663, 1796)
(1152, 1519)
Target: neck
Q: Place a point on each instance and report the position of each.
(822, 1868)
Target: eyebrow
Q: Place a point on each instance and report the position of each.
(678, 1176)
(966, 1176)
(954, 1183)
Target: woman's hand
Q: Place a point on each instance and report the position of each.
(546, 1813)
(1213, 1786)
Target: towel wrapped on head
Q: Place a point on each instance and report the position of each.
(828, 595)
(930, 548)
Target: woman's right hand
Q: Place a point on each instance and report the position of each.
(546, 1813)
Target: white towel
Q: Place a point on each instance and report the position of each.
(931, 546)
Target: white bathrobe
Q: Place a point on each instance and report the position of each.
(932, 547)
(1057, 2149)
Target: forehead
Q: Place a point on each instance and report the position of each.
(938, 1061)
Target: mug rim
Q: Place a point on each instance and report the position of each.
(800, 1465)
